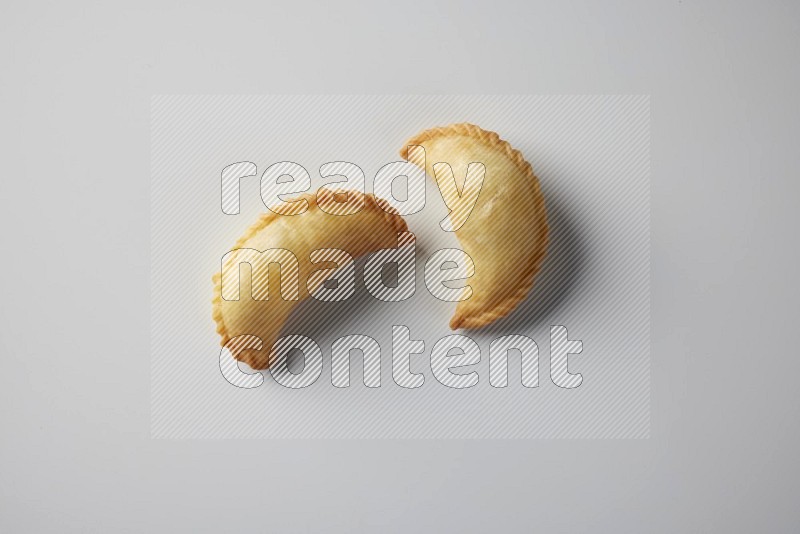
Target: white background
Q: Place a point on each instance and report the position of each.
(75, 451)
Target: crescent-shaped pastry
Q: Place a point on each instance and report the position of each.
(504, 230)
(244, 307)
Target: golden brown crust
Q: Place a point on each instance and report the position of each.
(526, 278)
(371, 202)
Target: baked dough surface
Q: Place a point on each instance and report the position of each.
(506, 233)
(376, 226)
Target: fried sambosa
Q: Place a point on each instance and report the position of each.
(503, 230)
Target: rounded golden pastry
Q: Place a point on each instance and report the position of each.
(504, 231)
(375, 226)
